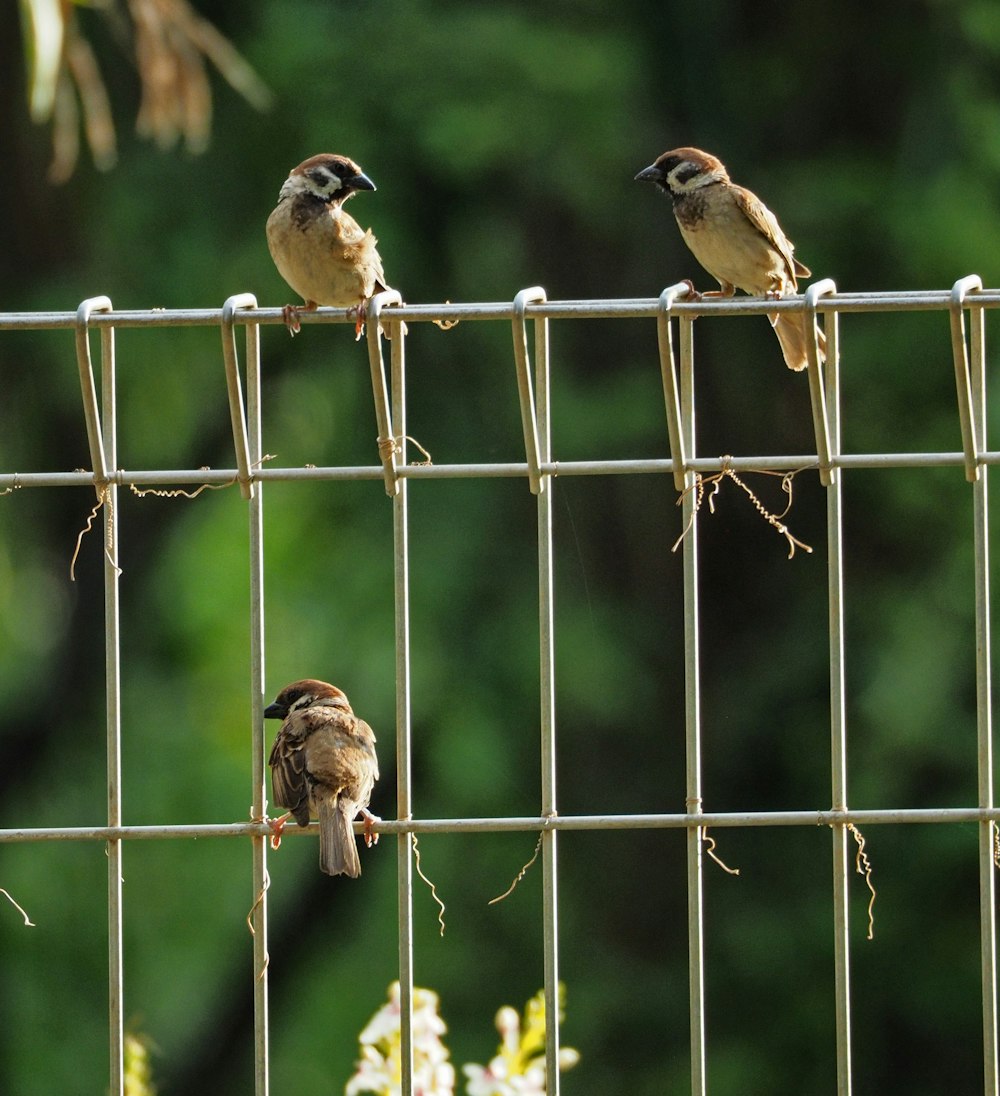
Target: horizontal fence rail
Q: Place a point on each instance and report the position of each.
(965, 304)
(636, 308)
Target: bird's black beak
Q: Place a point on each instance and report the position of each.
(360, 181)
(275, 711)
(651, 174)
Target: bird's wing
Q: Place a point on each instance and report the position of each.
(366, 737)
(376, 270)
(359, 247)
(288, 768)
(347, 231)
(767, 225)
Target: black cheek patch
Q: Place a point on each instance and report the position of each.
(326, 180)
(686, 172)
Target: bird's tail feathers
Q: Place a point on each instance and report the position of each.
(792, 331)
(338, 851)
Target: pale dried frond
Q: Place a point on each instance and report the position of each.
(173, 48)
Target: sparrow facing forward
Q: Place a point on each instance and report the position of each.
(321, 251)
(736, 238)
(323, 765)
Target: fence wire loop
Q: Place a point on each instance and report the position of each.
(668, 373)
(817, 389)
(389, 451)
(234, 386)
(971, 283)
(88, 388)
(525, 388)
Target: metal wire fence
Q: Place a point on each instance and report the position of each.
(532, 312)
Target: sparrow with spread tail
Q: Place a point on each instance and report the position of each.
(736, 238)
(321, 251)
(323, 765)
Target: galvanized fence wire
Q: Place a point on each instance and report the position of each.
(965, 303)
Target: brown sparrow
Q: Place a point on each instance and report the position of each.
(323, 766)
(735, 237)
(321, 251)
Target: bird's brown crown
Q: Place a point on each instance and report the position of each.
(304, 694)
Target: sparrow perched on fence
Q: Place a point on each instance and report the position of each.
(321, 251)
(736, 238)
(323, 765)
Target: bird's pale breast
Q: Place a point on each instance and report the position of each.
(324, 255)
(728, 245)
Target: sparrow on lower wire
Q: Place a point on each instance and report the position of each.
(736, 238)
(321, 251)
(323, 765)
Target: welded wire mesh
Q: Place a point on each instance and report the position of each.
(531, 314)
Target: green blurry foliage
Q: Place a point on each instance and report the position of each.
(503, 139)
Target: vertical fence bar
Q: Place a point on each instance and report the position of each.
(112, 657)
(984, 704)
(692, 725)
(838, 727)
(257, 667)
(404, 794)
(546, 642)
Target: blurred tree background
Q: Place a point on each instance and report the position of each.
(504, 138)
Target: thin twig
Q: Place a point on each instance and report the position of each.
(862, 865)
(520, 875)
(27, 919)
(109, 545)
(178, 492)
(710, 850)
(434, 893)
(387, 447)
(775, 520)
(253, 909)
(446, 325)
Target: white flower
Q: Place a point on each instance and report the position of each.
(487, 1080)
(519, 1066)
(372, 1075)
(379, 1068)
